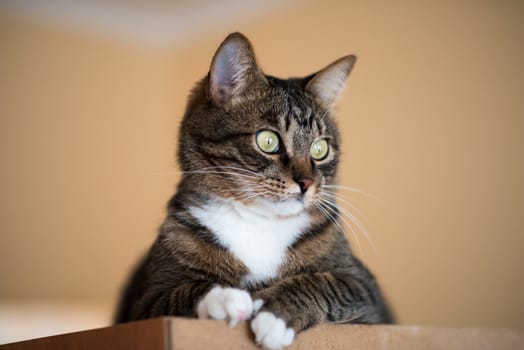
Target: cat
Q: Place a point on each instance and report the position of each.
(251, 232)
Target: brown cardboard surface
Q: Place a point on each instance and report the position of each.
(150, 335)
(172, 333)
(200, 335)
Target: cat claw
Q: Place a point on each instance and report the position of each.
(234, 305)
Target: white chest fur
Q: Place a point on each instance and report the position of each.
(259, 241)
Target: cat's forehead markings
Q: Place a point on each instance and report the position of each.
(295, 111)
(298, 127)
(308, 117)
(292, 128)
(320, 126)
(283, 123)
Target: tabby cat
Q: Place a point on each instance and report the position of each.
(251, 232)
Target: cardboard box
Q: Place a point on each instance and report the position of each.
(171, 333)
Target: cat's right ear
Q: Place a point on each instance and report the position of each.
(232, 70)
(327, 85)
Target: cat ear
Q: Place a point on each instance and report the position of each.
(327, 85)
(232, 70)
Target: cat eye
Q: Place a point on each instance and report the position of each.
(268, 141)
(319, 150)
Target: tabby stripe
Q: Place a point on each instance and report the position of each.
(287, 118)
(361, 291)
(329, 298)
(167, 306)
(313, 288)
(344, 299)
(182, 294)
(270, 116)
(150, 301)
(348, 289)
(328, 169)
(158, 306)
(211, 157)
(333, 290)
(308, 294)
(222, 138)
(198, 292)
(295, 298)
(365, 290)
(319, 127)
(200, 231)
(310, 118)
(310, 323)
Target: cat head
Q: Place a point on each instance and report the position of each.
(261, 140)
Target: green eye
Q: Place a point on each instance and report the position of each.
(319, 150)
(268, 141)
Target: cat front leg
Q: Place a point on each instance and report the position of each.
(297, 303)
(231, 304)
(200, 299)
(161, 299)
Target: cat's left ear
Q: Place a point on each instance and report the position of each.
(327, 85)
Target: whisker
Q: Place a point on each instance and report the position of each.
(219, 172)
(360, 226)
(330, 206)
(331, 219)
(233, 168)
(337, 197)
(350, 189)
(252, 195)
(167, 172)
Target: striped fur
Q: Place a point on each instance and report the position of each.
(309, 274)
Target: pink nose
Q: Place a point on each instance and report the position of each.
(304, 183)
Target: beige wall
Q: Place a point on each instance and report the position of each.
(433, 127)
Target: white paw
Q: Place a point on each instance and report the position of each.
(271, 332)
(232, 304)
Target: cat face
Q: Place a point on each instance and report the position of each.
(259, 140)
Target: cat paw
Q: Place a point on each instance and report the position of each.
(271, 332)
(234, 305)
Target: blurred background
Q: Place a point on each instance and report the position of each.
(92, 92)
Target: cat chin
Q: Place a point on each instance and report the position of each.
(281, 209)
